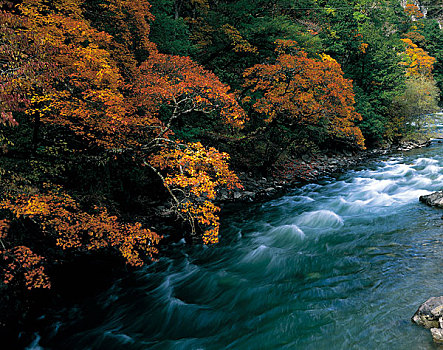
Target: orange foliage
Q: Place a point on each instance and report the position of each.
(304, 91)
(418, 60)
(4, 226)
(59, 217)
(413, 11)
(61, 71)
(81, 86)
(21, 259)
(65, 73)
(193, 175)
(363, 47)
(186, 87)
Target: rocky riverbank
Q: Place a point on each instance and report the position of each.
(307, 169)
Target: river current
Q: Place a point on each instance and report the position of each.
(342, 264)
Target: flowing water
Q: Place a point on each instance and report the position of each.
(342, 264)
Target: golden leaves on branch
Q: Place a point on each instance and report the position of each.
(193, 173)
(418, 62)
(22, 260)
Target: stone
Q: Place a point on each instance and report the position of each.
(429, 313)
(437, 335)
(237, 195)
(434, 199)
(249, 194)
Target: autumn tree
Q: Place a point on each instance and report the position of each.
(418, 62)
(180, 88)
(68, 79)
(193, 175)
(420, 97)
(65, 225)
(301, 92)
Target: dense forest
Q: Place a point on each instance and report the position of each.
(111, 109)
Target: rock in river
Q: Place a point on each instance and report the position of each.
(430, 315)
(434, 199)
(437, 335)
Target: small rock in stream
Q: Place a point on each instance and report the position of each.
(429, 312)
(434, 199)
(437, 335)
(430, 315)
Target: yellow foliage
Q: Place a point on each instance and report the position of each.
(418, 62)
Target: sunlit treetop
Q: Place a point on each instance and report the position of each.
(418, 61)
(299, 90)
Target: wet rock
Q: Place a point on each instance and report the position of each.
(437, 335)
(429, 313)
(434, 199)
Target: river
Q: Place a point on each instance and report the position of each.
(342, 264)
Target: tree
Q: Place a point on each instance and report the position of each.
(71, 80)
(364, 37)
(434, 46)
(409, 110)
(418, 63)
(193, 175)
(193, 172)
(65, 225)
(299, 91)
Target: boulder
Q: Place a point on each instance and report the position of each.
(429, 313)
(434, 199)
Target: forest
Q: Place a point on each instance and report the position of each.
(112, 109)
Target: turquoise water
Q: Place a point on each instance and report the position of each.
(342, 264)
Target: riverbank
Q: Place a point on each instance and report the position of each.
(307, 169)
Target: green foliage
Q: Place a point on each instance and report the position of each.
(434, 46)
(409, 110)
(171, 34)
(365, 40)
(419, 98)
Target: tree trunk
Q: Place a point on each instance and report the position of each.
(35, 133)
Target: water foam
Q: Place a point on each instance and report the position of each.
(320, 219)
(288, 230)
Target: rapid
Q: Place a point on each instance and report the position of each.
(342, 264)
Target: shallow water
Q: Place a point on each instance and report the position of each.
(342, 264)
